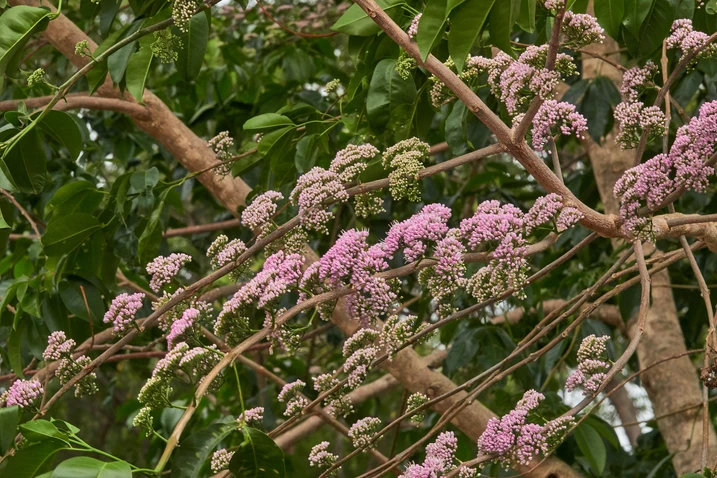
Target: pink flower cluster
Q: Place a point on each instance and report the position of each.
(413, 28)
(320, 457)
(363, 431)
(430, 224)
(260, 212)
(447, 275)
(223, 251)
(122, 312)
(633, 119)
(590, 373)
(58, 346)
(312, 193)
(350, 261)
(651, 182)
(182, 327)
(688, 40)
(351, 161)
(551, 114)
(221, 459)
(512, 440)
(635, 80)
(252, 415)
(581, 29)
(291, 395)
(280, 274)
(23, 393)
(163, 269)
(439, 458)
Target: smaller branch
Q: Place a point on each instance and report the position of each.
(80, 101)
(23, 212)
(214, 226)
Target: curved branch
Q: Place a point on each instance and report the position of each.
(80, 101)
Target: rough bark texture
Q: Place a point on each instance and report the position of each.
(191, 151)
(674, 384)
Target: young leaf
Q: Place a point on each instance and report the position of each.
(194, 45)
(466, 23)
(17, 25)
(197, 448)
(117, 61)
(257, 457)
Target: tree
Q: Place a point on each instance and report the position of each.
(267, 239)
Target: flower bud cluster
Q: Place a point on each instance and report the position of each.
(405, 159)
(555, 113)
(440, 456)
(59, 347)
(413, 28)
(313, 190)
(512, 440)
(23, 393)
(163, 269)
(320, 457)
(291, 395)
(258, 215)
(363, 431)
(650, 183)
(122, 312)
(684, 38)
(414, 401)
(633, 119)
(253, 415)
(351, 161)
(166, 46)
(224, 251)
(581, 29)
(221, 459)
(590, 373)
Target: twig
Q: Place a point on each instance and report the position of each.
(23, 212)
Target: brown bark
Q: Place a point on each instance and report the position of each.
(673, 384)
(193, 153)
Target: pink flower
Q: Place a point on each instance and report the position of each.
(122, 312)
(24, 393)
(163, 269)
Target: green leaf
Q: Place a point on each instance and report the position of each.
(386, 92)
(117, 61)
(271, 141)
(138, 68)
(466, 23)
(592, 446)
(86, 467)
(635, 13)
(354, 21)
(68, 232)
(656, 26)
(17, 25)
(457, 129)
(41, 430)
(9, 418)
(194, 45)
(500, 25)
(431, 26)
(197, 448)
(306, 153)
(63, 129)
(14, 349)
(609, 14)
(28, 461)
(24, 163)
(3, 222)
(71, 293)
(266, 122)
(526, 16)
(108, 11)
(148, 246)
(73, 196)
(97, 75)
(257, 457)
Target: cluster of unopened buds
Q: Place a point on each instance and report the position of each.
(513, 440)
(591, 371)
(222, 145)
(440, 459)
(632, 116)
(60, 348)
(24, 394)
